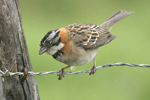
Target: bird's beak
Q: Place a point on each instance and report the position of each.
(42, 50)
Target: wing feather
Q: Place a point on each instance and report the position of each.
(87, 35)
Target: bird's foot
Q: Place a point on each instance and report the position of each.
(93, 70)
(60, 74)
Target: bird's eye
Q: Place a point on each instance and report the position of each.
(48, 42)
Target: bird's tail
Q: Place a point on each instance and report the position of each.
(119, 15)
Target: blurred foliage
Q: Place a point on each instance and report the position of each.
(132, 45)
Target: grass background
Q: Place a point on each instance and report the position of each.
(132, 45)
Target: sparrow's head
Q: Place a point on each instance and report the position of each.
(51, 43)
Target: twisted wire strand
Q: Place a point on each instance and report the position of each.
(7, 73)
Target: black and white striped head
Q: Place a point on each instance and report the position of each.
(51, 43)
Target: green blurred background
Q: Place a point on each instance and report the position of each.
(132, 45)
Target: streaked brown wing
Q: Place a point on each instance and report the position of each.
(88, 36)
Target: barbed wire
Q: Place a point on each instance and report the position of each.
(8, 73)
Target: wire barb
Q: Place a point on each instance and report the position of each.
(7, 73)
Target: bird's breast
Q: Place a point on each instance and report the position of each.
(78, 57)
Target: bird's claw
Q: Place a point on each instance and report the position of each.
(60, 74)
(93, 70)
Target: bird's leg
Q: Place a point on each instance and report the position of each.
(61, 73)
(93, 70)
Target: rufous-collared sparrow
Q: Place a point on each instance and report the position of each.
(77, 44)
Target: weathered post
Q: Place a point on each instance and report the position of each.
(14, 55)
